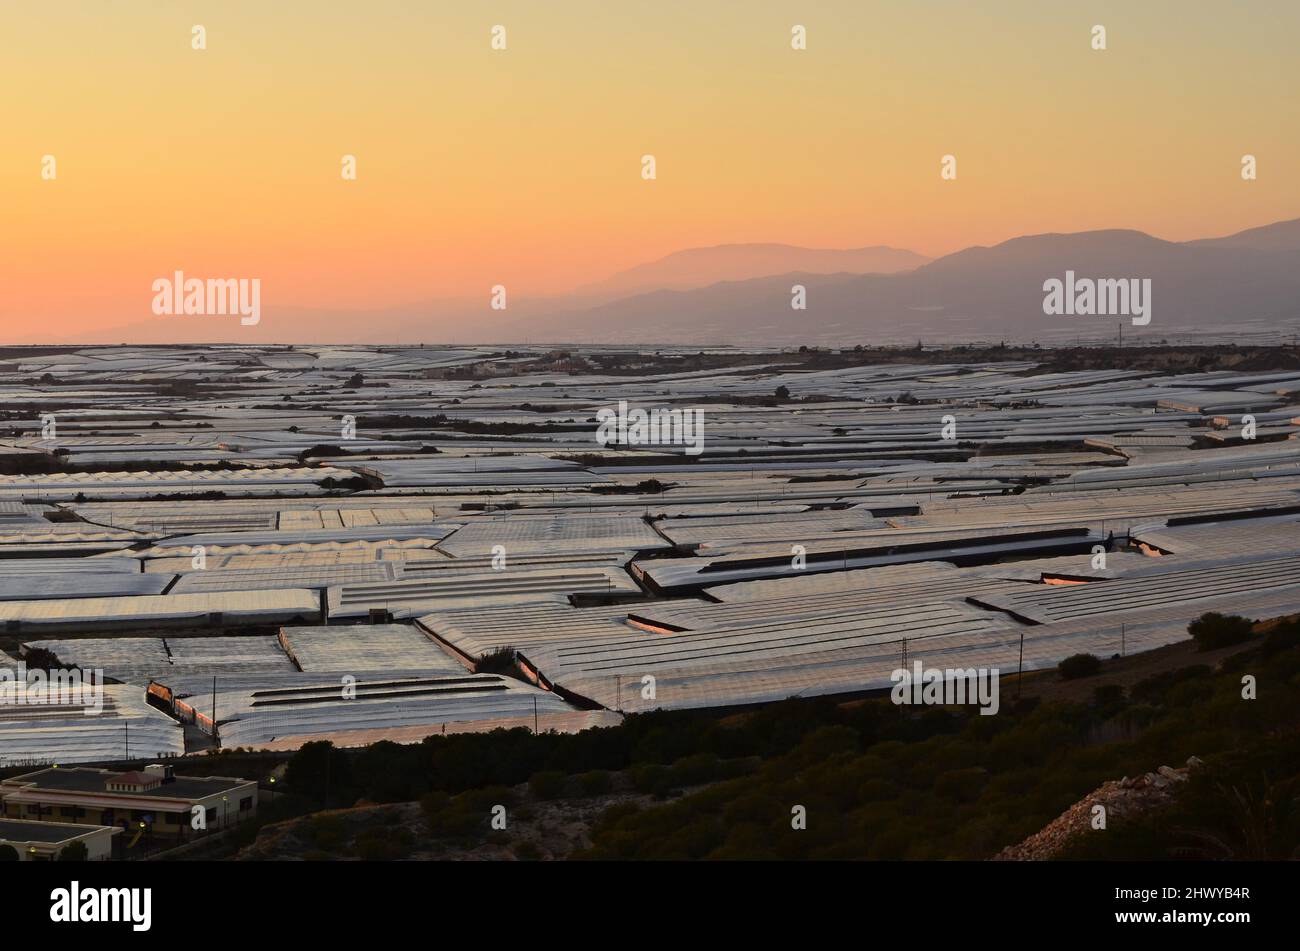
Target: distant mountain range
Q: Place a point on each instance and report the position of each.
(742, 293)
(700, 267)
(1280, 236)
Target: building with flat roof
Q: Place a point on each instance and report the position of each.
(43, 841)
(153, 800)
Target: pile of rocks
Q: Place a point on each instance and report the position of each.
(1125, 797)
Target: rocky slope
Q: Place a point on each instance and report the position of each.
(1124, 797)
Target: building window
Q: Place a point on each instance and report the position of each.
(246, 804)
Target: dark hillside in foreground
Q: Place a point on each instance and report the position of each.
(877, 782)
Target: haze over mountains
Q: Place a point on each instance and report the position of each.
(700, 267)
(1245, 282)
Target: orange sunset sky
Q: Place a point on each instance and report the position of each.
(522, 167)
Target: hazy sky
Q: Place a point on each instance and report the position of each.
(522, 167)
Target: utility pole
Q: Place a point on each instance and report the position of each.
(126, 725)
(905, 674)
(214, 707)
(534, 716)
(1020, 673)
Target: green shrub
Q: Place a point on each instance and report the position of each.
(384, 844)
(1079, 665)
(526, 851)
(878, 790)
(1213, 630)
(550, 784)
(465, 817)
(1155, 689)
(1108, 695)
(74, 852)
(1282, 638)
(326, 831)
(962, 785)
(524, 813)
(654, 779)
(695, 770)
(321, 773)
(432, 804)
(597, 782)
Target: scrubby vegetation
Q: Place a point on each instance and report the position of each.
(1244, 806)
(1212, 631)
(875, 781)
(74, 852)
(1079, 665)
(973, 785)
